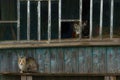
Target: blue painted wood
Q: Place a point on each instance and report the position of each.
(40, 59)
(75, 58)
(53, 61)
(68, 60)
(118, 59)
(65, 59)
(46, 58)
(99, 60)
(111, 60)
(81, 61)
(60, 60)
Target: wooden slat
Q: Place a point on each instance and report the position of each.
(61, 74)
(60, 60)
(53, 61)
(99, 60)
(70, 20)
(106, 78)
(81, 60)
(9, 21)
(23, 78)
(112, 77)
(68, 60)
(75, 57)
(111, 60)
(29, 78)
(46, 62)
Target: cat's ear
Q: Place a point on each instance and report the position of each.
(19, 56)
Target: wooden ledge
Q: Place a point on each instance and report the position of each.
(58, 43)
(60, 74)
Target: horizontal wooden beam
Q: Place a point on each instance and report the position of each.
(56, 43)
(61, 74)
(70, 20)
(38, 0)
(8, 21)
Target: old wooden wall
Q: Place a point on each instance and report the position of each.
(65, 59)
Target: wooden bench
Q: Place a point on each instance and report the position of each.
(29, 76)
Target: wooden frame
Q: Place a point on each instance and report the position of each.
(60, 42)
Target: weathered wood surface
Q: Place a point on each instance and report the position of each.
(65, 59)
(56, 43)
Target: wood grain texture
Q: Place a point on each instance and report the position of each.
(65, 59)
(99, 60)
(23, 78)
(111, 60)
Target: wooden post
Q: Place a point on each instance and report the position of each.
(112, 77)
(29, 78)
(26, 77)
(23, 78)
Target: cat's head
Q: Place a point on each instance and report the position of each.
(21, 60)
(76, 26)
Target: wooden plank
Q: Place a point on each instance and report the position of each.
(46, 61)
(117, 51)
(88, 59)
(60, 60)
(99, 60)
(4, 67)
(70, 43)
(112, 77)
(40, 59)
(111, 60)
(53, 62)
(106, 78)
(29, 78)
(59, 74)
(75, 59)
(8, 21)
(85, 60)
(23, 78)
(81, 61)
(43, 57)
(68, 59)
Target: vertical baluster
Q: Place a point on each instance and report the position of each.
(91, 18)
(49, 20)
(39, 20)
(59, 8)
(111, 19)
(18, 19)
(80, 17)
(28, 20)
(101, 19)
